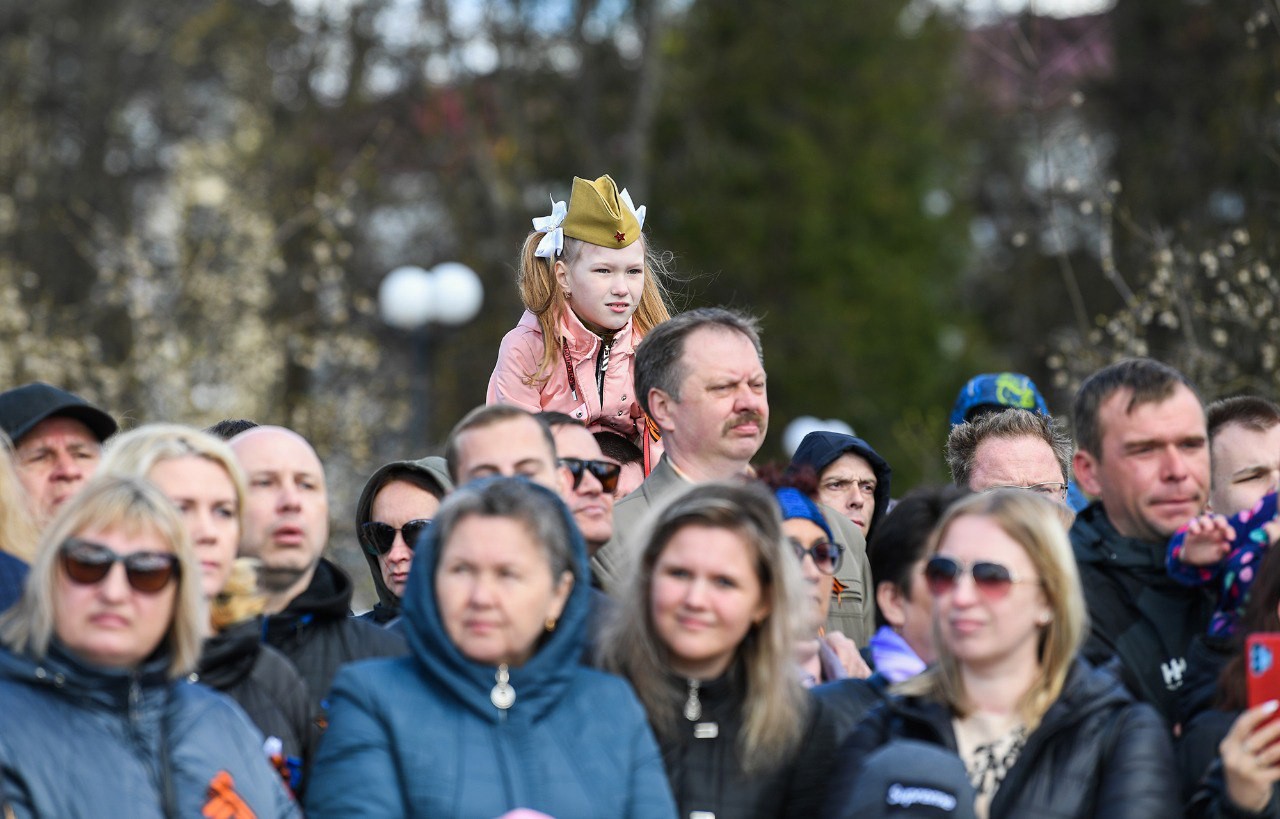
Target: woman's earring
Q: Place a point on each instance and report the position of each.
(568, 296)
(551, 624)
(1045, 618)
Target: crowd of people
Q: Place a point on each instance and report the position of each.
(595, 603)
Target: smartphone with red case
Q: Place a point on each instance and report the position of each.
(1262, 667)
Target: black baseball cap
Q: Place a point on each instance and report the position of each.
(21, 408)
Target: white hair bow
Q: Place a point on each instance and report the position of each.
(638, 211)
(553, 243)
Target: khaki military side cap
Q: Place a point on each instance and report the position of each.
(598, 215)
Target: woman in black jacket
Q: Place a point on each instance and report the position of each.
(705, 631)
(1040, 732)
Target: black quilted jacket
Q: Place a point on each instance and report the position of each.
(1096, 753)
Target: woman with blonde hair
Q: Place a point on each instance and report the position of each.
(706, 632)
(202, 477)
(1040, 732)
(98, 718)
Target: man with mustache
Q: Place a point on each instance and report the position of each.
(1143, 452)
(700, 377)
(286, 527)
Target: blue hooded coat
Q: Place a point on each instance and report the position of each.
(419, 736)
(82, 740)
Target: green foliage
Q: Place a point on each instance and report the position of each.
(798, 148)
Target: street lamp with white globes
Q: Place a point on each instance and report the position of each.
(804, 424)
(413, 299)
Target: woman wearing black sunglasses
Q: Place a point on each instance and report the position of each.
(97, 716)
(394, 511)
(1040, 732)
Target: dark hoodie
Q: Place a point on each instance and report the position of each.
(820, 449)
(436, 472)
(1136, 611)
(317, 634)
(574, 742)
(265, 684)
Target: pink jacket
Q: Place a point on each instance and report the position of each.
(518, 358)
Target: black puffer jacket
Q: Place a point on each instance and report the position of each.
(1137, 612)
(265, 684)
(1203, 724)
(316, 633)
(1096, 753)
(1211, 800)
(705, 772)
(847, 701)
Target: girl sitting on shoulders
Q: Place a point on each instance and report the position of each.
(591, 290)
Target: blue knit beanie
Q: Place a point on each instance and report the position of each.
(795, 504)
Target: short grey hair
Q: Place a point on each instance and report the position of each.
(963, 442)
(534, 506)
(659, 360)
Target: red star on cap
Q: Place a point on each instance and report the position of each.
(620, 236)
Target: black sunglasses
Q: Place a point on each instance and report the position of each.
(377, 538)
(87, 563)
(826, 556)
(606, 472)
(992, 580)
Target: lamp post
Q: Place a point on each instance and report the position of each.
(412, 299)
(804, 424)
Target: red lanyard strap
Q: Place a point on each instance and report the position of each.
(568, 369)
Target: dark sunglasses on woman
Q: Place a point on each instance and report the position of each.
(826, 556)
(606, 472)
(993, 580)
(87, 563)
(377, 538)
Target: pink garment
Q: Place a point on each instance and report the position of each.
(518, 359)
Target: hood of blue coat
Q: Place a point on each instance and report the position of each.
(819, 449)
(541, 682)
